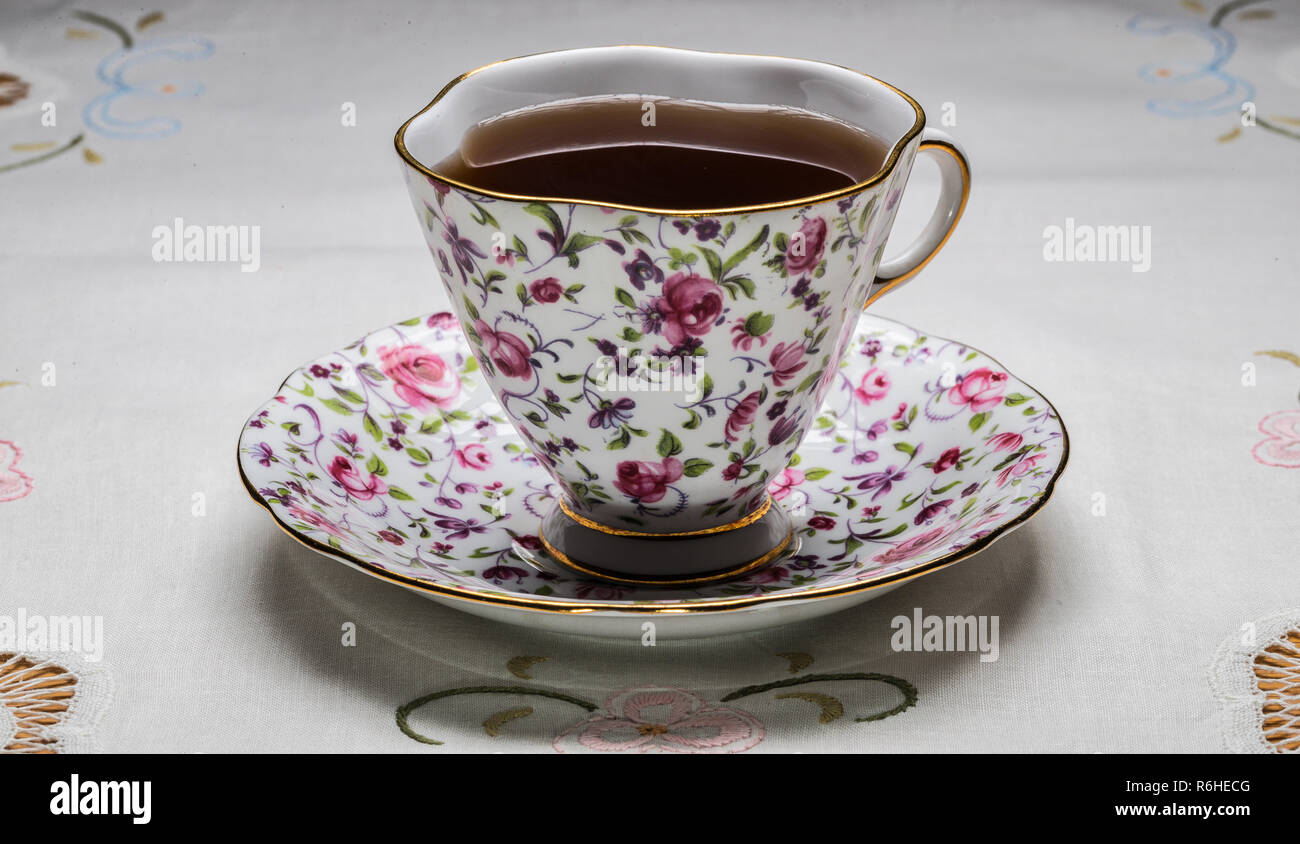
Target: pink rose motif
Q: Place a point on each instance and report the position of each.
(1006, 441)
(422, 379)
(874, 385)
(914, 547)
(1019, 469)
(781, 487)
(947, 460)
(787, 360)
(1280, 447)
(507, 352)
(742, 417)
(390, 536)
(345, 473)
(690, 305)
(316, 520)
(649, 719)
(806, 246)
(647, 481)
(474, 456)
(442, 320)
(982, 389)
(13, 483)
(546, 290)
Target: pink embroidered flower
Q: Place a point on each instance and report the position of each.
(1281, 446)
(1006, 441)
(914, 547)
(507, 352)
(742, 336)
(947, 460)
(546, 290)
(805, 248)
(647, 481)
(874, 385)
(648, 719)
(785, 483)
(787, 360)
(1020, 468)
(422, 379)
(690, 305)
(345, 473)
(316, 520)
(742, 417)
(13, 483)
(474, 456)
(981, 389)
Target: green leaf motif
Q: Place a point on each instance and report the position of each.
(372, 428)
(399, 493)
(624, 298)
(669, 444)
(1016, 398)
(337, 406)
(977, 421)
(695, 467)
(376, 466)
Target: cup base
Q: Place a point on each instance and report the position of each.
(670, 560)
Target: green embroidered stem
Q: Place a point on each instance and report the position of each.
(404, 711)
(908, 690)
(43, 156)
(111, 25)
(1228, 8)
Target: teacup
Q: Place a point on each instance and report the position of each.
(664, 364)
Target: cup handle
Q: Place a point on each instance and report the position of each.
(954, 190)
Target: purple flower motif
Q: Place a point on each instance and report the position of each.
(462, 248)
(611, 414)
(497, 574)
(877, 428)
(460, 528)
(466, 488)
(707, 229)
(652, 321)
(811, 301)
(319, 371)
(784, 429)
(801, 287)
(263, 454)
(866, 457)
(399, 427)
(642, 269)
(871, 348)
(844, 204)
(928, 514)
(776, 409)
(607, 348)
(394, 443)
(682, 226)
(881, 482)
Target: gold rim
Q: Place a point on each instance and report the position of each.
(744, 521)
(684, 606)
(961, 208)
(603, 574)
(885, 169)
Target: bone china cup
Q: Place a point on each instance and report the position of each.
(664, 364)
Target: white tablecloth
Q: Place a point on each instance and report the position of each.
(1174, 527)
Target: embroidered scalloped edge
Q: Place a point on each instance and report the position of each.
(75, 730)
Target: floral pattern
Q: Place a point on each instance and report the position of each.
(759, 304)
(377, 471)
(13, 483)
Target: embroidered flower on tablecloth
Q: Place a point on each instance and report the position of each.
(13, 483)
(1281, 444)
(649, 719)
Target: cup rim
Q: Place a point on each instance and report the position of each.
(886, 167)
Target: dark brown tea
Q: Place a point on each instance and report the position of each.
(671, 154)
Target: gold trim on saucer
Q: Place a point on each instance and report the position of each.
(885, 169)
(744, 521)
(602, 574)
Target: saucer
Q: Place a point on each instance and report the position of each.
(392, 455)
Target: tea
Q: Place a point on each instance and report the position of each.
(662, 153)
